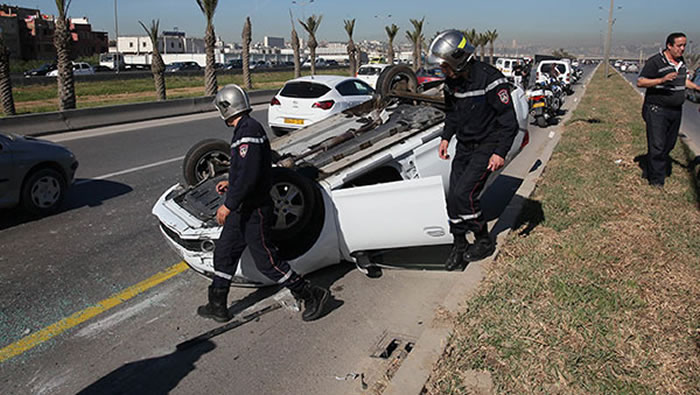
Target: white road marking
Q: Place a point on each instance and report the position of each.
(127, 171)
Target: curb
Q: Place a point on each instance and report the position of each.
(416, 369)
(66, 121)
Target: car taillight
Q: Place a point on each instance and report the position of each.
(323, 105)
(275, 102)
(535, 98)
(526, 140)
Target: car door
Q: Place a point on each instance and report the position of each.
(354, 92)
(392, 215)
(6, 173)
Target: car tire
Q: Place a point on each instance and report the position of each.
(206, 159)
(541, 121)
(43, 191)
(298, 212)
(396, 77)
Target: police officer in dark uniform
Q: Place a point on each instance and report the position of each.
(665, 77)
(247, 213)
(481, 116)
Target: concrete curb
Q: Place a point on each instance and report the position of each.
(71, 120)
(416, 369)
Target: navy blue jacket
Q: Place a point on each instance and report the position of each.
(480, 108)
(249, 176)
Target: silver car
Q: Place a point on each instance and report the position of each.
(34, 173)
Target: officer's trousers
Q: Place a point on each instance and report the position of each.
(251, 228)
(467, 179)
(662, 131)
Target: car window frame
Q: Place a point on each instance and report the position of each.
(354, 82)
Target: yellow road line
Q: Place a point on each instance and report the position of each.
(33, 340)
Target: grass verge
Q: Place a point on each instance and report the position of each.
(43, 98)
(603, 295)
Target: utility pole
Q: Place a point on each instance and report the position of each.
(116, 32)
(608, 41)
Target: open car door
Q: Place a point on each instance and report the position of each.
(392, 215)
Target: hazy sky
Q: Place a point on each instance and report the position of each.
(555, 22)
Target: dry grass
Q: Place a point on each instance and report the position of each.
(604, 295)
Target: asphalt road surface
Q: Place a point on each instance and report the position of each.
(105, 240)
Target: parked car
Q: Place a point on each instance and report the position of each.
(182, 66)
(692, 94)
(363, 180)
(370, 72)
(34, 173)
(41, 70)
(429, 75)
(101, 69)
(307, 100)
(79, 68)
(544, 71)
(234, 64)
(260, 64)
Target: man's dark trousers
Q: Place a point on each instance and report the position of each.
(467, 179)
(663, 124)
(250, 228)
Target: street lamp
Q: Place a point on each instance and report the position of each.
(116, 32)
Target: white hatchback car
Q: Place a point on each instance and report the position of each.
(306, 100)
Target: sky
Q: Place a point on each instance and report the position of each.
(562, 23)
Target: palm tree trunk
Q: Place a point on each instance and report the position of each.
(390, 53)
(211, 86)
(312, 53)
(158, 70)
(295, 48)
(8, 102)
(66, 85)
(491, 50)
(247, 32)
(351, 49)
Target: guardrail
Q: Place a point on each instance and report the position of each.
(65, 121)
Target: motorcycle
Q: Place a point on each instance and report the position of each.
(546, 100)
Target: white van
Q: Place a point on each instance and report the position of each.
(506, 66)
(563, 67)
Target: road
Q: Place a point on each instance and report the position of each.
(105, 240)
(690, 125)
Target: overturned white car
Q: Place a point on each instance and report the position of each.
(363, 180)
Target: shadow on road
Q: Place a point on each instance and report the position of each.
(89, 193)
(158, 375)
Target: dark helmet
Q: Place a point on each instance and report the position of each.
(451, 47)
(231, 101)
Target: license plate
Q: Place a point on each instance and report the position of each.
(294, 121)
(536, 105)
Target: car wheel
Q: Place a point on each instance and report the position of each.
(298, 213)
(43, 191)
(206, 159)
(396, 77)
(541, 121)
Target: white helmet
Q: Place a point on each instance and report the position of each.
(232, 101)
(451, 47)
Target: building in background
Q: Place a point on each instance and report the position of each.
(273, 42)
(86, 42)
(169, 42)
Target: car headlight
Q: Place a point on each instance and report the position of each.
(208, 245)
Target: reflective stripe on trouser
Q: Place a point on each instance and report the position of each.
(467, 179)
(662, 132)
(251, 229)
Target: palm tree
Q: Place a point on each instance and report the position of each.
(8, 102)
(295, 48)
(417, 42)
(61, 40)
(492, 36)
(351, 48)
(482, 39)
(208, 8)
(157, 64)
(391, 32)
(471, 36)
(247, 37)
(311, 26)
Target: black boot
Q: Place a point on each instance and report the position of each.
(314, 298)
(216, 309)
(482, 248)
(459, 246)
